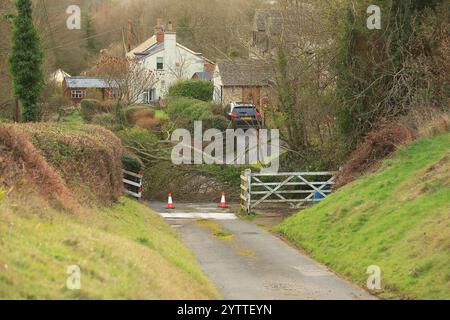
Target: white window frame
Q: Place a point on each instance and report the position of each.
(77, 94)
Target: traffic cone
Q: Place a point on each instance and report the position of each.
(170, 202)
(223, 202)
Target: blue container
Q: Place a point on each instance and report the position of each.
(318, 196)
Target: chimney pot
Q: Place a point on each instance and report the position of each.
(159, 32)
(170, 26)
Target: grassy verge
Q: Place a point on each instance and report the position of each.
(397, 218)
(161, 114)
(124, 252)
(73, 118)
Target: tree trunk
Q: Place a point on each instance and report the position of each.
(17, 112)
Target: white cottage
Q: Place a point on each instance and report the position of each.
(170, 60)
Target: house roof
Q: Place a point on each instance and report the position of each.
(205, 76)
(244, 72)
(88, 82)
(142, 47)
(150, 46)
(154, 48)
(157, 47)
(268, 20)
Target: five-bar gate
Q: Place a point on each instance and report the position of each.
(295, 188)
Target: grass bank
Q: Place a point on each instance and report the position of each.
(124, 252)
(397, 218)
(61, 205)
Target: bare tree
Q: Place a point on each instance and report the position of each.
(179, 69)
(296, 39)
(128, 78)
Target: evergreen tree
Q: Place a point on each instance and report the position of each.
(26, 61)
(88, 26)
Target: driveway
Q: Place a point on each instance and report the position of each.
(247, 262)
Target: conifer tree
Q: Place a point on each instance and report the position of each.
(26, 61)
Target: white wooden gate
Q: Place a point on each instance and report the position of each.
(294, 188)
(133, 183)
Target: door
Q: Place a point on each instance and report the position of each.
(256, 93)
(251, 95)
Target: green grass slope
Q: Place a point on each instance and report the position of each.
(397, 219)
(125, 252)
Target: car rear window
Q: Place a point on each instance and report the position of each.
(245, 110)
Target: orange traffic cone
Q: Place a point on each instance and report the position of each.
(223, 202)
(170, 202)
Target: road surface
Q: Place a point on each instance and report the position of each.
(246, 262)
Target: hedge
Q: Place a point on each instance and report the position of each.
(183, 112)
(91, 107)
(195, 89)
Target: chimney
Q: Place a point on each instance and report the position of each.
(170, 44)
(159, 31)
(170, 26)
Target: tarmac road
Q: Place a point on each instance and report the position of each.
(249, 262)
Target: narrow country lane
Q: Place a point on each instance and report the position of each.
(247, 262)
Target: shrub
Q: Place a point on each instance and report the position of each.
(107, 106)
(150, 124)
(132, 162)
(427, 121)
(58, 101)
(137, 138)
(377, 146)
(216, 108)
(6, 120)
(106, 120)
(143, 113)
(89, 108)
(184, 111)
(195, 89)
(139, 114)
(218, 122)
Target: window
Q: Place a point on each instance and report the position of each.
(149, 96)
(77, 94)
(146, 96)
(160, 63)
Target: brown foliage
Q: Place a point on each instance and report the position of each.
(140, 114)
(22, 166)
(144, 117)
(377, 146)
(150, 124)
(427, 121)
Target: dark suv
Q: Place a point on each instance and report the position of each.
(244, 115)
